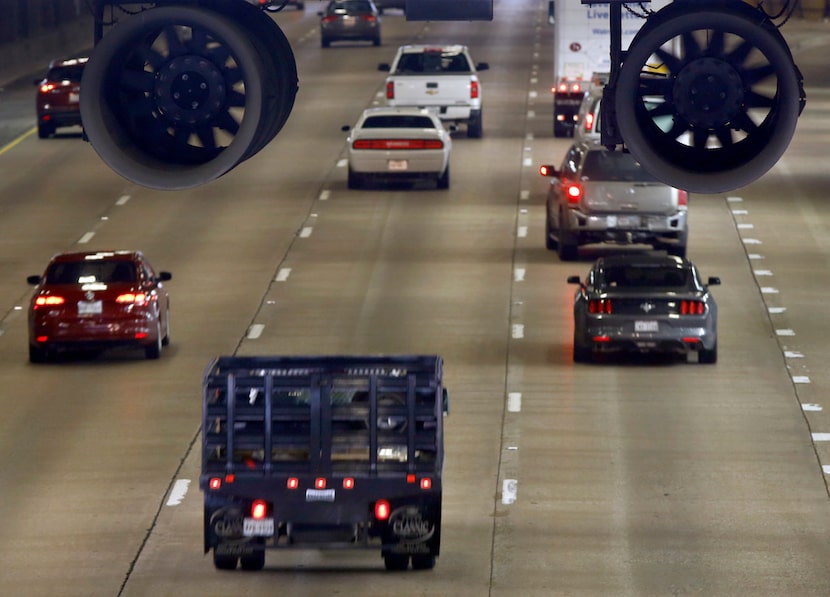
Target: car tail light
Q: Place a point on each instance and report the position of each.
(390, 90)
(474, 90)
(259, 509)
(589, 121)
(573, 192)
(129, 298)
(398, 144)
(329, 19)
(599, 306)
(49, 300)
(48, 87)
(370, 18)
(682, 198)
(382, 509)
(692, 307)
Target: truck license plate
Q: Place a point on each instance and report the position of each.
(89, 307)
(646, 326)
(255, 527)
(628, 221)
(397, 165)
(319, 495)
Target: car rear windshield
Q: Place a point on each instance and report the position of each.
(66, 73)
(433, 62)
(638, 276)
(350, 7)
(398, 122)
(614, 166)
(89, 272)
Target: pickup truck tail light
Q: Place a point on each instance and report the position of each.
(382, 510)
(398, 144)
(692, 307)
(474, 90)
(600, 306)
(390, 90)
(682, 199)
(259, 509)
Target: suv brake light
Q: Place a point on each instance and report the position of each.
(573, 192)
(48, 301)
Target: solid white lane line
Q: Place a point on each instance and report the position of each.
(255, 331)
(178, 492)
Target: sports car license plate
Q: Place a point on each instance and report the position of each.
(89, 307)
(646, 326)
(397, 165)
(256, 527)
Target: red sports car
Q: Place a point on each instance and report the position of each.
(98, 299)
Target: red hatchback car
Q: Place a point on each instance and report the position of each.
(98, 299)
(58, 96)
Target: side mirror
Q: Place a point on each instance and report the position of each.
(483, 66)
(548, 170)
(33, 280)
(384, 66)
(574, 280)
(713, 281)
(345, 128)
(165, 276)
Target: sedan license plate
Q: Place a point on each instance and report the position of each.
(397, 165)
(646, 326)
(258, 527)
(89, 307)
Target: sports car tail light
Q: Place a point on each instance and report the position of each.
(393, 144)
(474, 90)
(382, 509)
(599, 306)
(49, 301)
(390, 90)
(692, 307)
(129, 298)
(259, 509)
(573, 192)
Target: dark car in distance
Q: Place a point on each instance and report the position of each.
(98, 299)
(59, 95)
(645, 302)
(349, 20)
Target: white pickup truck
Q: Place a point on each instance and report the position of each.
(438, 78)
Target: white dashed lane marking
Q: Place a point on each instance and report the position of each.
(178, 492)
(255, 331)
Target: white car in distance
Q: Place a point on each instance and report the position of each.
(408, 144)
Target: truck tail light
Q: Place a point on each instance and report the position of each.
(215, 483)
(474, 90)
(292, 483)
(682, 199)
(426, 483)
(390, 90)
(573, 192)
(348, 483)
(259, 509)
(382, 510)
(692, 307)
(599, 306)
(320, 483)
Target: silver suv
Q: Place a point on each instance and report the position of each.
(604, 196)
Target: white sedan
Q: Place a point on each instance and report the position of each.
(399, 144)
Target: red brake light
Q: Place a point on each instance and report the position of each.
(682, 198)
(589, 121)
(215, 483)
(370, 18)
(576, 87)
(382, 509)
(348, 483)
(138, 298)
(329, 19)
(599, 306)
(293, 483)
(474, 90)
(393, 144)
(573, 192)
(48, 301)
(691, 307)
(320, 483)
(390, 90)
(426, 483)
(259, 509)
